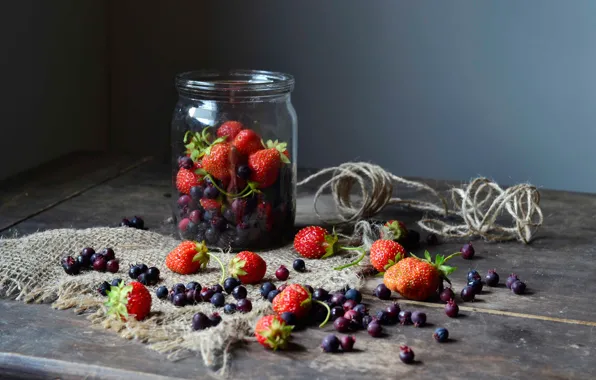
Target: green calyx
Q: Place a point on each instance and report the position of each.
(203, 256)
(391, 263)
(198, 144)
(236, 267)
(277, 335)
(394, 230)
(281, 148)
(330, 244)
(439, 263)
(118, 299)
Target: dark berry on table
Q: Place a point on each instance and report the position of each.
(217, 288)
(282, 273)
(374, 329)
(367, 319)
(215, 318)
(243, 171)
(467, 251)
(511, 279)
(124, 223)
(383, 317)
(382, 292)
(143, 268)
(116, 281)
(282, 287)
(206, 294)
(393, 311)
(230, 308)
(309, 288)
(473, 275)
(349, 305)
(432, 239)
(266, 288)
(104, 288)
(200, 321)
(320, 294)
(94, 257)
(230, 283)
(179, 299)
(467, 294)
(185, 162)
(518, 287)
(418, 318)
(338, 299)
(406, 354)
(191, 295)
(347, 343)
(354, 317)
(361, 308)
(476, 285)
(353, 294)
(212, 235)
(193, 285)
(88, 251)
(99, 264)
(441, 335)
(179, 288)
(492, 278)
(272, 295)
(336, 312)
(112, 266)
(108, 254)
(289, 318)
(299, 265)
(244, 305)
(211, 192)
(446, 295)
(451, 309)
(84, 261)
(134, 271)
(143, 278)
(405, 317)
(137, 222)
(161, 292)
(330, 343)
(218, 300)
(239, 292)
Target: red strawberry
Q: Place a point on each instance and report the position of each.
(229, 129)
(185, 179)
(210, 204)
(218, 161)
(418, 279)
(247, 142)
(248, 267)
(188, 257)
(295, 299)
(385, 253)
(315, 242)
(273, 332)
(395, 230)
(132, 299)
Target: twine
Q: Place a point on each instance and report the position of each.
(479, 203)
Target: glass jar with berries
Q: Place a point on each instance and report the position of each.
(234, 158)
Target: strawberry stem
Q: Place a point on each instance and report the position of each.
(328, 313)
(358, 260)
(223, 270)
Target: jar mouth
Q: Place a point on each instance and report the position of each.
(234, 84)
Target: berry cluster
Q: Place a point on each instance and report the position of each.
(332, 343)
(201, 321)
(89, 259)
(105, 286)
(143, 274)
(515, 284)
(135, 222)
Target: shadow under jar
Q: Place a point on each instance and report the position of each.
(234, 136)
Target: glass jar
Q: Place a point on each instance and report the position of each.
(234, 137)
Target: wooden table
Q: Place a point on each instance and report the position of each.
(547, 334)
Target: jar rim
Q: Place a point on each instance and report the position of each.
(235, 83)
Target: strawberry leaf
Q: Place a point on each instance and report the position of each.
(427, 256)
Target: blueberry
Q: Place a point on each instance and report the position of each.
(84, 261)
(309, 288)
(211, 192)
(99, 265)
(243, 171)
(184, 201)
(88, 252)
(179, 299)
(299, 265)
(330, 343)
(200, 321)
(244, 305)
(94, 257)
(218, 300)
(192, 228)
(320, 294)
(405, 317)
(134, 271)
(193, 285)
(467, 251)
(266, 288)
(179, 288)
(336, 312)
(272, 295)
(228, 215)
(211, 235)
(406, 354)
(383, 317)
(230, 283)
(451, 309)
(374, 329)
(191, 296)
(361, 308)
(196, 192)
(185, 162)
(161, 292)
(441, 335)
(153, 275)
(341, 324)
(349, 305)
(418, 318)
(282, 273)
(206, 294)
(143, 278)
(108, 254)
(143, 268)
(467, 294)
(104, 288)
(393, 312)
(230, 308)
(366, 320)
(511, 279)
(116, 281)
(446, 295)
(353, 294)
(217, 288)
(219, 223)
(382, 292)
(518, 287)
(338, 299)
(239, 292)
(137, 222)
(473, 275)
(476, 285)
(289, 318)
(492, 278)
(215, 318)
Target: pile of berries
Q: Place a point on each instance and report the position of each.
(144, 274)
(89, 259)
(200, 321)
(135, 222)
(105, 286)
(515, 284)
(332, 343)
(234, 189)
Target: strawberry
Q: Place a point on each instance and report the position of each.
(315, 242)
(416, 278)
(273, 144)
(247, 142)
(385, 253)
(229, 129)
(248, 267)
(265, 165)
(189, 256)
(394, 230)
(273, 332)
(132, 299)
(210, 204)
(185, 179)
(295, 299)
(218, 161)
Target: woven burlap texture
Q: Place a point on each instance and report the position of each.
(30, 270)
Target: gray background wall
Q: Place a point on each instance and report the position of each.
(456, 89)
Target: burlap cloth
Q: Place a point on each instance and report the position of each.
(30, 270)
